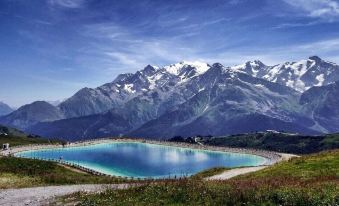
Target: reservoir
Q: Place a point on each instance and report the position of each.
(143, 160)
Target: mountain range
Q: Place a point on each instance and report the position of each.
(194, 98)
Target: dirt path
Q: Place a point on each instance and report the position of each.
(73, 169)
(43, 195)
(235, 172)
(228, 174)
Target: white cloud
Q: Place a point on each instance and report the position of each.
(321, 46)
(72, 4)
(274, 55)
(317, 8)
(235, 2)
(292, 25)
(123, 58)
(125, 48)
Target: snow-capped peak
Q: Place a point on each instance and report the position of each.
(300, 75)
(253, 64)
(250, 67)
(177, 68)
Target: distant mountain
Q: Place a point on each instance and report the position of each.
(300, 75)
(31, 114)
(190, 98)
(5, 109)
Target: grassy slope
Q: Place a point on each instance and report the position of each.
(19, 141)
(18, 172)
(310, 180)
(16, 137)
(209, 172)
(281, 142)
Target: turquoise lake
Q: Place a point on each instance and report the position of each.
(142, 160)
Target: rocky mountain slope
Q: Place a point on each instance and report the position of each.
(300, 75)
(128, 86)
(229, 102)
(190, 98)
(31, 114)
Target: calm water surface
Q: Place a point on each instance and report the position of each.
(143, 160)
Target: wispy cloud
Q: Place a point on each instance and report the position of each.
(33, 20)
(324, 45)
(327, 9)
(72, 4)
(124, 58)
(292, 25)
(278, 54)
(126, 48)
(201, 25)
(236, 2)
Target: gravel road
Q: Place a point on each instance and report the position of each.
(234, 172)
(43, 195)
(228, 174)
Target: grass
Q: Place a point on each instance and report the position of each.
(280, 142)
(210, 172)
(310, 180)
(22, 140)
(16, 137)
(19, 172)
(324, 164)
(330, 141)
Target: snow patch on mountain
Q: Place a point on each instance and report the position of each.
(129, 88)
(153, 80)
(178, 67)
(300, 75)
(320, 79)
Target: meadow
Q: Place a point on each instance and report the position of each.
(280, 142)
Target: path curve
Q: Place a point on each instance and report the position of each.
(228, 174)
(43, 195)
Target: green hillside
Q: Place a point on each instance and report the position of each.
(281, 142)
(274, 141)
(16, 137)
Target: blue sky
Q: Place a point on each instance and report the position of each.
(52, 48)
